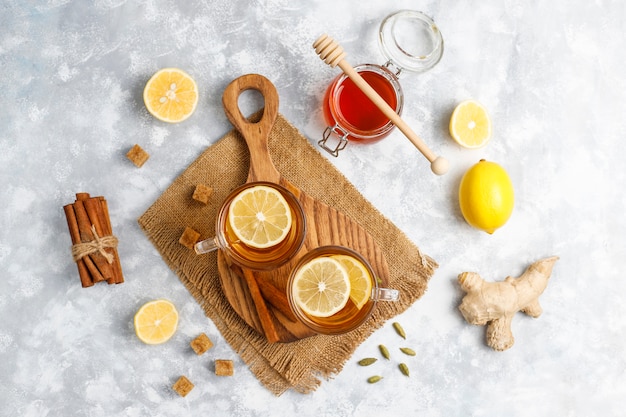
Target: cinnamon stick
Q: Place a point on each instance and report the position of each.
(276, 298)
(117, 265)
(86, 235)
(267, 320)
(88, 222)
(72, 224)
(94, 272)
(95, 214)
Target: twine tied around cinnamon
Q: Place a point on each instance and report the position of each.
(98, 244)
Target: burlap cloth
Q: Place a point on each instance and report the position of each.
(280, 366)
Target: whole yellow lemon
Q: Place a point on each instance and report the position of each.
(486, 196)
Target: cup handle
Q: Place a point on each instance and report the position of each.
(205, 246)
(385, 294)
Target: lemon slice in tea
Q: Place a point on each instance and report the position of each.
(156, 322)
(171, 95)
(470, 125)
(321, 287)
(260, 216)
(360, 280)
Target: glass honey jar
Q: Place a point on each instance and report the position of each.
(411, 42)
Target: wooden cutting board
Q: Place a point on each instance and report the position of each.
(259, 297)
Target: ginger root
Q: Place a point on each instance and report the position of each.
(495, 303)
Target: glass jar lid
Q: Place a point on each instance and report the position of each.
(411, 41)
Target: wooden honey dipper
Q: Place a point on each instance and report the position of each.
(333, 54)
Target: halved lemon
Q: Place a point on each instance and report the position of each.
(260, 216)
(360, 280)
(470, 125)
(171, 95)
(156, 322)
(321, 287)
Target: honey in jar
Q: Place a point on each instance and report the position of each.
(411, 41)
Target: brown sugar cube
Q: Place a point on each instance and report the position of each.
(202, 193)
(137, 156)
(183, 386)
(224, 367)
(201, 344)
(189, 238)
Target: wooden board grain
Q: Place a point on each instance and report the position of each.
(259, 297)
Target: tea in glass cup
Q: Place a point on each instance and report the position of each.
(260, 226)
(333, 290)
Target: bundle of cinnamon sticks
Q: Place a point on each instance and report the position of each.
(94, 248)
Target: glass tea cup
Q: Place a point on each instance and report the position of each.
(246, 255)
(350, 316)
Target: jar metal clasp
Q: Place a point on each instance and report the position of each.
(341, 133)
(393, 68)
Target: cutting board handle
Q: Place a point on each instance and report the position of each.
(256, 134)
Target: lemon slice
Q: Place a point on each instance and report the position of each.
(470, 125)
(260, 216)
(156, 322)
(360, 280)
(171, 95)
(321, 287)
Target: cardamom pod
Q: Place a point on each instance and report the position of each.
(374, 379)
(384, 351)
(367, 361)
(399, 329)
(407, 351)
(404, 369)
